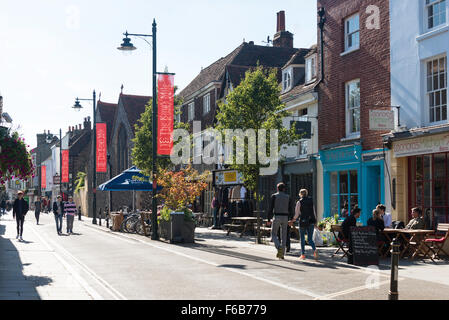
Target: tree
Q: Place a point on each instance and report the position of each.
(15, 160)
(142, 152)
(255, 104)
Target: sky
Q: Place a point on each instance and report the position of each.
(52, 51)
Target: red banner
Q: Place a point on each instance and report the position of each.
(65, 166)
(102, 148)
(44, 177)
(166, 93)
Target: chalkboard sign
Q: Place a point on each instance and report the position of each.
(364, 246)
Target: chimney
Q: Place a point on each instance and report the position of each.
(87, 123)
(282, 38)
(1, 108)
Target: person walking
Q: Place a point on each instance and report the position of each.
(20, 209)
(37, 209)
(3, 206)
(305, 211)
(70, 211)
(58, 210)
(280, 208)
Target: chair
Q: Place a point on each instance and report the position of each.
(343, 244)
(436, 245)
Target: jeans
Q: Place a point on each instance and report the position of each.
(310, 229)
(70, 223)
(20, 220)
(36, 214)
(58, 219)
(279, 222)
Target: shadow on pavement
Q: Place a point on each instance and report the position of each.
(14, 284)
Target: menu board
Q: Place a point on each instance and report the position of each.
(364, 246)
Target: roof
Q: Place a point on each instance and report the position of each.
(298, 58)
(298, 90)
(107, 114)
(134, 107)
(246, 55)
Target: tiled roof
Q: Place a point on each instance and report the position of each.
(246, 55)
(134, 107)
(107, 114)
(212, 73)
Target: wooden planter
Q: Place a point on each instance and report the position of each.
(188, 231)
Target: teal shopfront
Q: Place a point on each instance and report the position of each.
(352, 177)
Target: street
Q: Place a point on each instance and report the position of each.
(95, 263)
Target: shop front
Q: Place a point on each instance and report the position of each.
(424, 181)
(352, 178)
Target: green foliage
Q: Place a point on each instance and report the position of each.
(255, 104)
(142, 152)
(15, 160)
(165, 214)
(79, 182)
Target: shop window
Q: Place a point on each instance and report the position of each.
(344, 192)
(428, 186)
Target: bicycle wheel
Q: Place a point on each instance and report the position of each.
(129, 224)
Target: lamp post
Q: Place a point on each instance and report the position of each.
(128, 46)
(78, 107)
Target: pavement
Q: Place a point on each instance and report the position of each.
(98, 264)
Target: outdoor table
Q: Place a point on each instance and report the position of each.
(390, 234)
(245, 221)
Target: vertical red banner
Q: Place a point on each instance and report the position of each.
(65, 166)
(166, 93)
(102, 148)
(44, 177)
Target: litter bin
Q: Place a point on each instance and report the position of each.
(176, 223)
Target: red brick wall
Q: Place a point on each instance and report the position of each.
(207, 120)
(370, 64)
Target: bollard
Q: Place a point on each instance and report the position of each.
(394, 294)
(79, 213)
(99, 222)
(107, 217)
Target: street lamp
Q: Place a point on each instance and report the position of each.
(77, 106)
(127, 46)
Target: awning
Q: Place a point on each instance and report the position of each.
(129, 180)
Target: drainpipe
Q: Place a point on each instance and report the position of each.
(322, 15)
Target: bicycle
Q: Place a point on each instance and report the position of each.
(139, 227)
(128, 223)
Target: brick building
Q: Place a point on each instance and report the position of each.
(213, 83)
(356, 80)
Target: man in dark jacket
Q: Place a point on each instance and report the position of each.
(20, 209)
(349, 222)
(58, 210)
(281, 208)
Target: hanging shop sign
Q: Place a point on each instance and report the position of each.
(102, 148)
(382, 120)
(229, 177)
(44, 177)
(165, 114)
(423, 145)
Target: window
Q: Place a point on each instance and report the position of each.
(437, 89)
(352, 33)
(428, 187)
(353, 107)
(310, 69)
(435, 13)
(287, 80)
(303, 148)
(344, 192)
(191, 111)
(177, 115)
(206, 104)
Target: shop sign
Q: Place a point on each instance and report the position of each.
(228, 177)
(349, 154)
(424, 145)
(382, 120)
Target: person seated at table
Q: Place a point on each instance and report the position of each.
(377, 222)
(417, 223)
(349, 222)
(386, 216)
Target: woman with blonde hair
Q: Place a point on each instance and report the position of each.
(305, 211)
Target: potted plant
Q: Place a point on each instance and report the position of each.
(179, 190)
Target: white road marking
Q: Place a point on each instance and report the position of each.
(348, 291)
(92, 292)
(297, 290)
